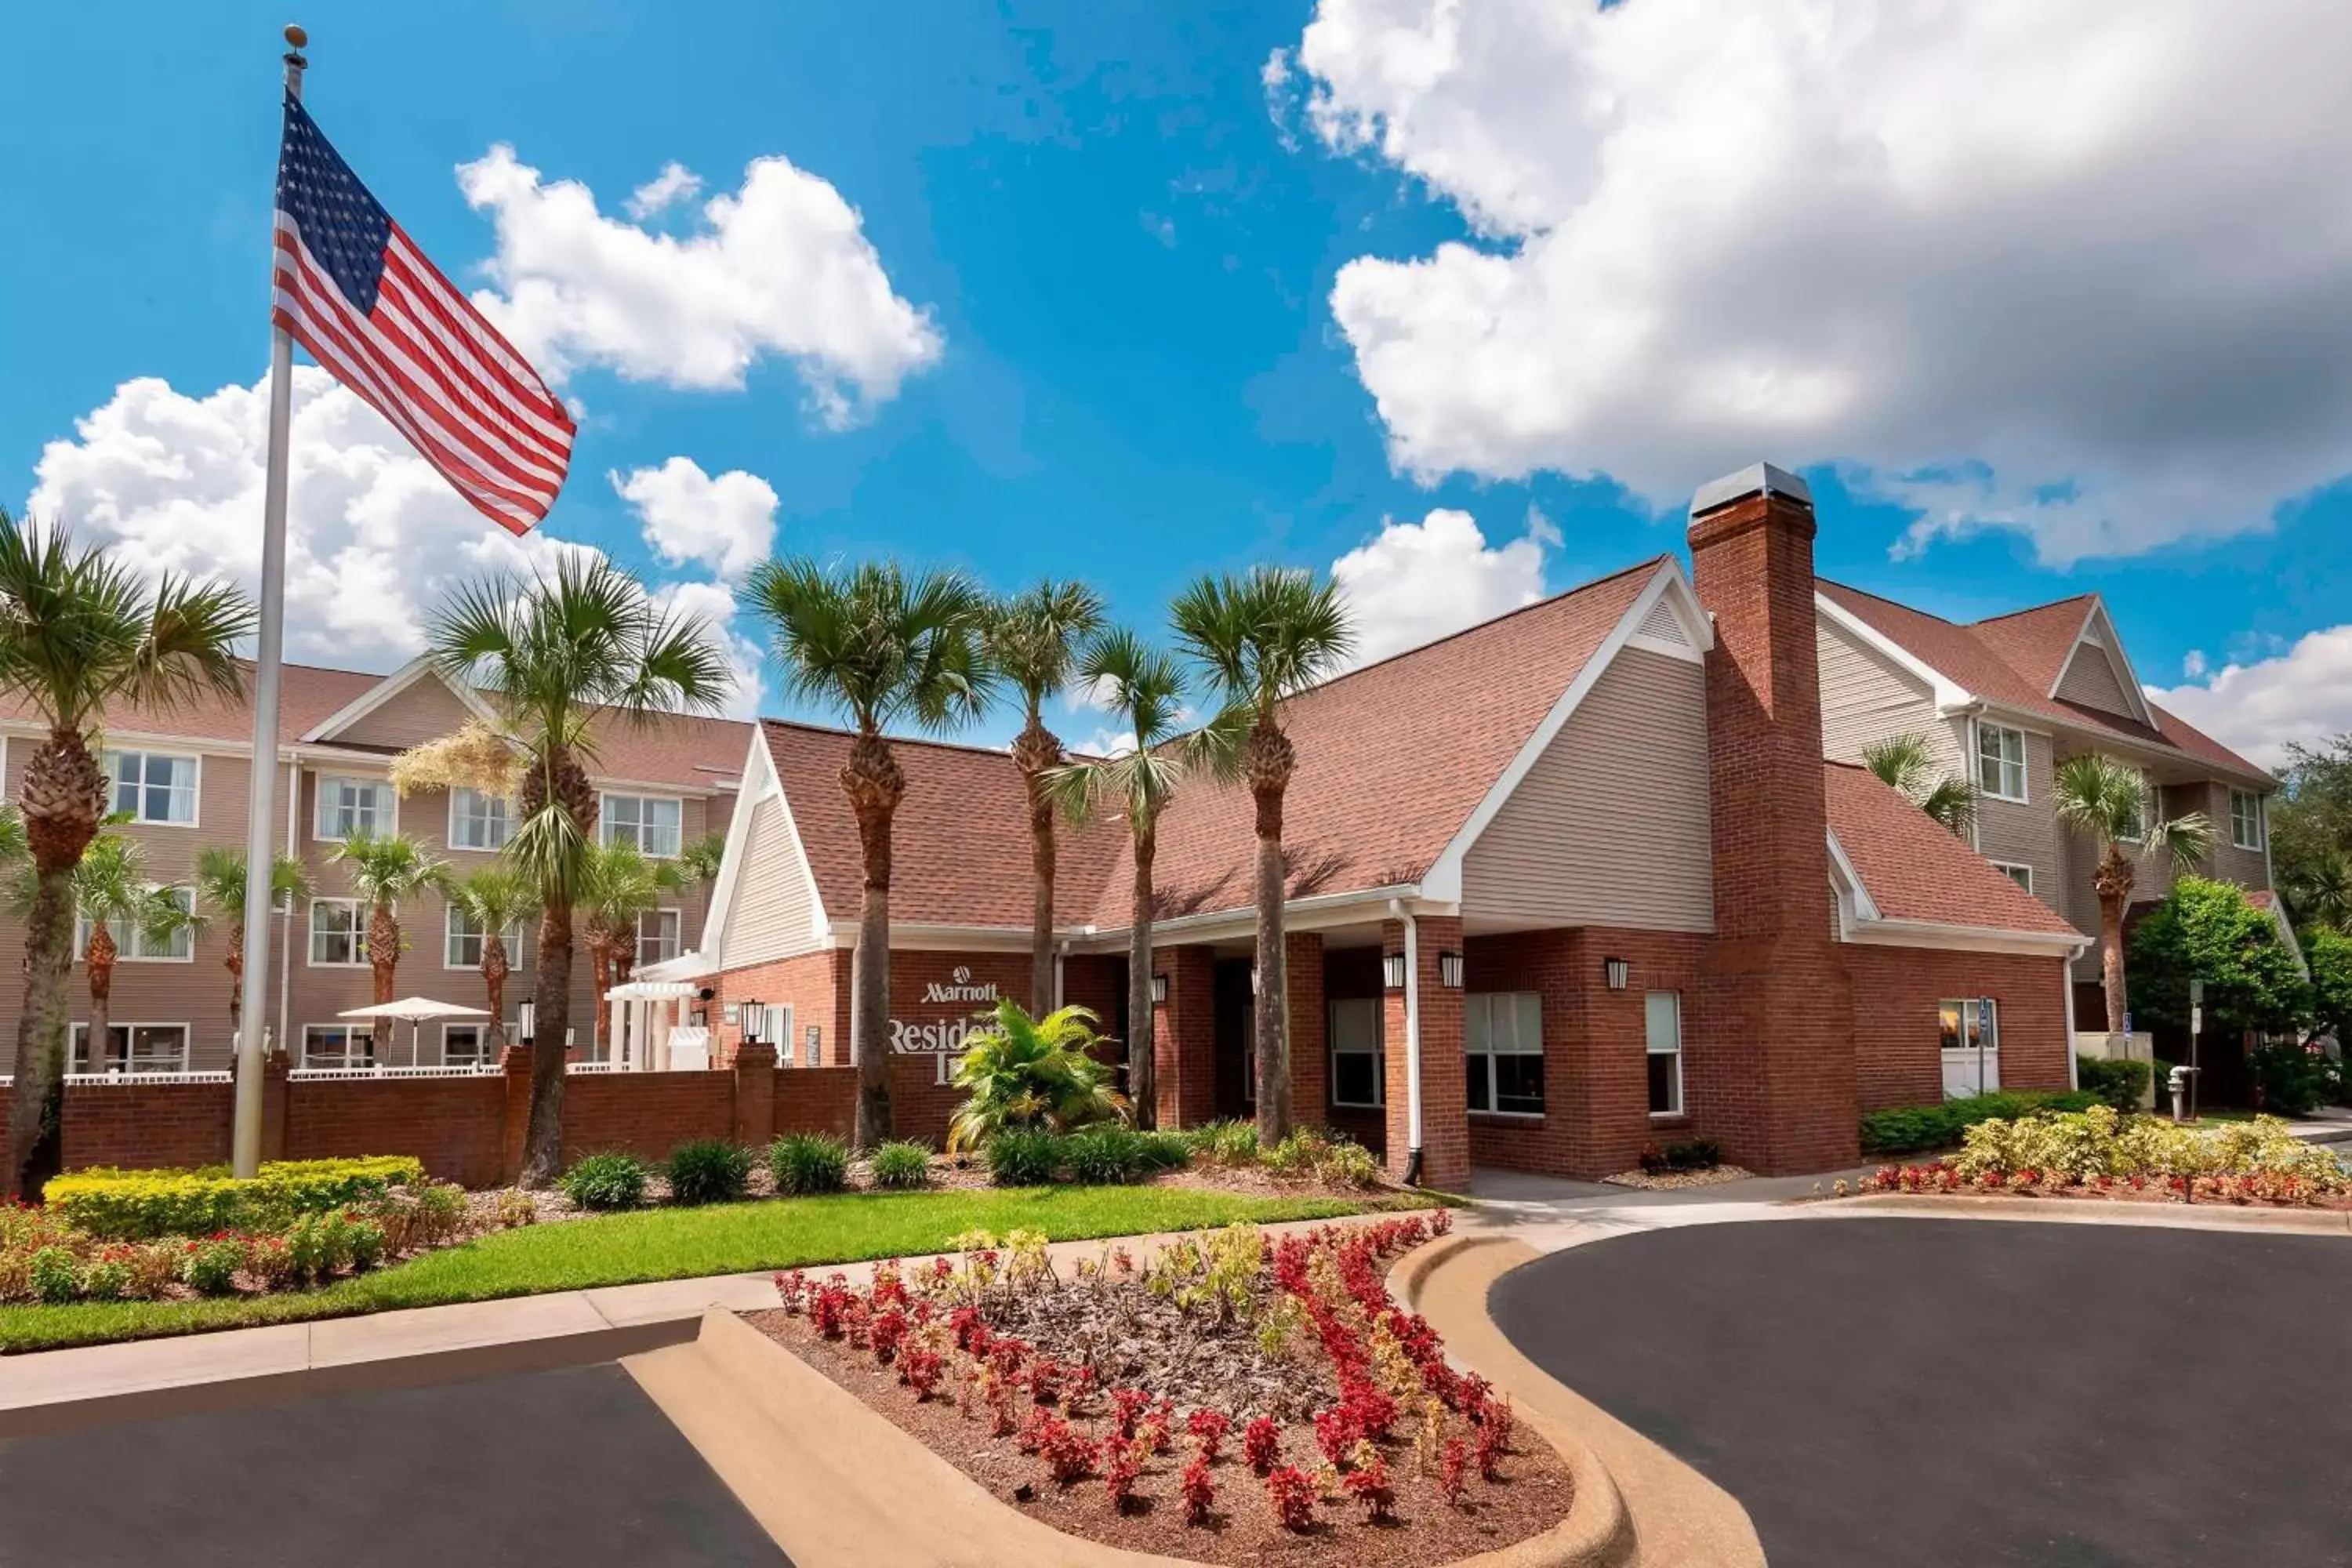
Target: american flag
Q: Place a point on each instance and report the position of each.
(352, 288)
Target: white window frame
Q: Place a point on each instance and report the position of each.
(130, 943)
(349, 1031)
(453, 918)
(77, 1042)
(1650, 1048)
(1481, 1044)
(499, 818)
(1967, 1006)
(1999, 757)
(605, 821)
(1377, 1010)
(2011, 869)
(2254, 818)
(676, 917)
(481, 1032)
(108, 760)
(318, 806)
(359, 959)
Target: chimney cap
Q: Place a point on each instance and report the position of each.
(1756, 479)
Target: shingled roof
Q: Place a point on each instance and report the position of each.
(1915, 868)
(2015, 660)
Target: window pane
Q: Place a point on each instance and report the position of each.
(1477, 1030)
(461, 1044)
(1530, 1022)
(1479, 1065)
(1662, 1020)
(1352, 1078)
(1665, 1083)
(476, 821)
(662, 819)
(158, 1048)
(1518, 1083)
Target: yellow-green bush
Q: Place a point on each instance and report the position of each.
(132, 1205)
(2084, 1145)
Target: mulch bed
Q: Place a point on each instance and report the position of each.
(1674, 1181)
(1133, 1337)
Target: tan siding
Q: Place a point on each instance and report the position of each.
(424, 710)
(2028, 834)
(1866, 698)
(774, 916)
(2090, 680)
(2226, 862)
(1609, 827)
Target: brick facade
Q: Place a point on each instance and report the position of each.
(1184, 1038)
(1444, 1121)
(1897, 991)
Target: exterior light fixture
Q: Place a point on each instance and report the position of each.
(752, 1016)
(1158, 988)
(1617, 970)
(1392, 971)
(1449, 970)
(526, 1017)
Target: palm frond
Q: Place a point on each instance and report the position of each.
(1034, 638)
(388, 868)
(1266, 636)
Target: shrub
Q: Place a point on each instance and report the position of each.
(1102, 1155)
(1021, 1073)
(56, 1275)
(611, 1181)
(2116, 1082)
(1227, 1142)
(707, 1171)
(1939, 1126)
(1299, 1153)
(210, 1268)
(1164, 1150)
(417, 1217)
(897, 1164)
(1698, 1155)
(1023, 1158)
(134, 1206)
(2291, 1079)
(2066, 1149)
(1347, 1164)
(804, 1162)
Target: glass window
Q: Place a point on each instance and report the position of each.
(651, 822)
(2246, 819)
(2134, 826)
(1662, 1024)
(337, 1046)
(134, 1048)
(133, 943)
(338, 931)
(462, 942)
(150, 786)
(1968, 1023)
(2021, 874)
(350, 808)
(657, 936)
(1358, 1071)
(477, 821)
(465, 1045)
(1503, 1046)
(2001, 761)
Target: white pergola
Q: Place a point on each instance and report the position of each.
(650, 1033)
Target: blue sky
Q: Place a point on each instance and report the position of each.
(1129, 248)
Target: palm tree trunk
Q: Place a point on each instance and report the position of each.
(1041, 999)
(383, 951)
(542, 1152)
(598, 951)
(2111, 960)
(875, 784)
(99, 962)
(42, 1025)
(1142, 1060)
(235, 965)
(493, 979)
(1273, 1110)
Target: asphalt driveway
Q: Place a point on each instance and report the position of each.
(1955, 1393)
(575, 1467)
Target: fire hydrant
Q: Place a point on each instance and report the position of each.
(2178, 1082)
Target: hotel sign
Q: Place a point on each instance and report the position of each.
(944, 1037)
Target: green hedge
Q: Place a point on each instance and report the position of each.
(1912, 1127)
(134, 1206)
(2117, 1082)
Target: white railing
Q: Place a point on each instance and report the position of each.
(458, 1070)
(595, 1066)
(117, 1077)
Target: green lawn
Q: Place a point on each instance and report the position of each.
(677, 1244)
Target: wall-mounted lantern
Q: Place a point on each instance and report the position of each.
(1392, 971)
(526, 1017)
(1449, 970)
(752, 1020)
(1618, 970)
(1159, 989)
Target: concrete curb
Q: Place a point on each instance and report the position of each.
(1647, 1506)
(2090, 1211)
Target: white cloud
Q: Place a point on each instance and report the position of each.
(676, 182)
(2255, 709)
(727, 524)
(781, 267)
(2192, 664)
(374, 537)
(2073, 271)
(1416, 582)
(716, 605)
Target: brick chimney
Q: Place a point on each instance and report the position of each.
(1773, 1071)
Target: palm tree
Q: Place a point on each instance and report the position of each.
(220, 892)
(1033, 640)
(619, 884)
(700, 859)
(385, 868)
(1143, 687)
(550, 655)
(1906, 764)
(1025, 1072)
(881, 644)
(496, 899)
(2321, 891)
(111, 893)
(79, 633)
(1265, 638)
(2109, 800)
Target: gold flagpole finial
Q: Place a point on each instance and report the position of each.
(296, 37)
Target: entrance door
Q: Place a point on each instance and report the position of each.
(1970, 1029)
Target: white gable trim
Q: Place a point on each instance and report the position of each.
(390, 687)
(2098, 631)
(1948, 693)
(1861, 922)
(758, 786)
(1667, 584)
(1854, 903)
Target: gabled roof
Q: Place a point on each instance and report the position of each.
(307, 694)
(2016, 661)
(1912, 870)
(417, 670)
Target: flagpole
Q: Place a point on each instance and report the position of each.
(260, 834)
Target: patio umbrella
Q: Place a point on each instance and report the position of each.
(418, 1011)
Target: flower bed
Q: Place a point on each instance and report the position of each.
(2102, 1155)
(1230, 1400)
